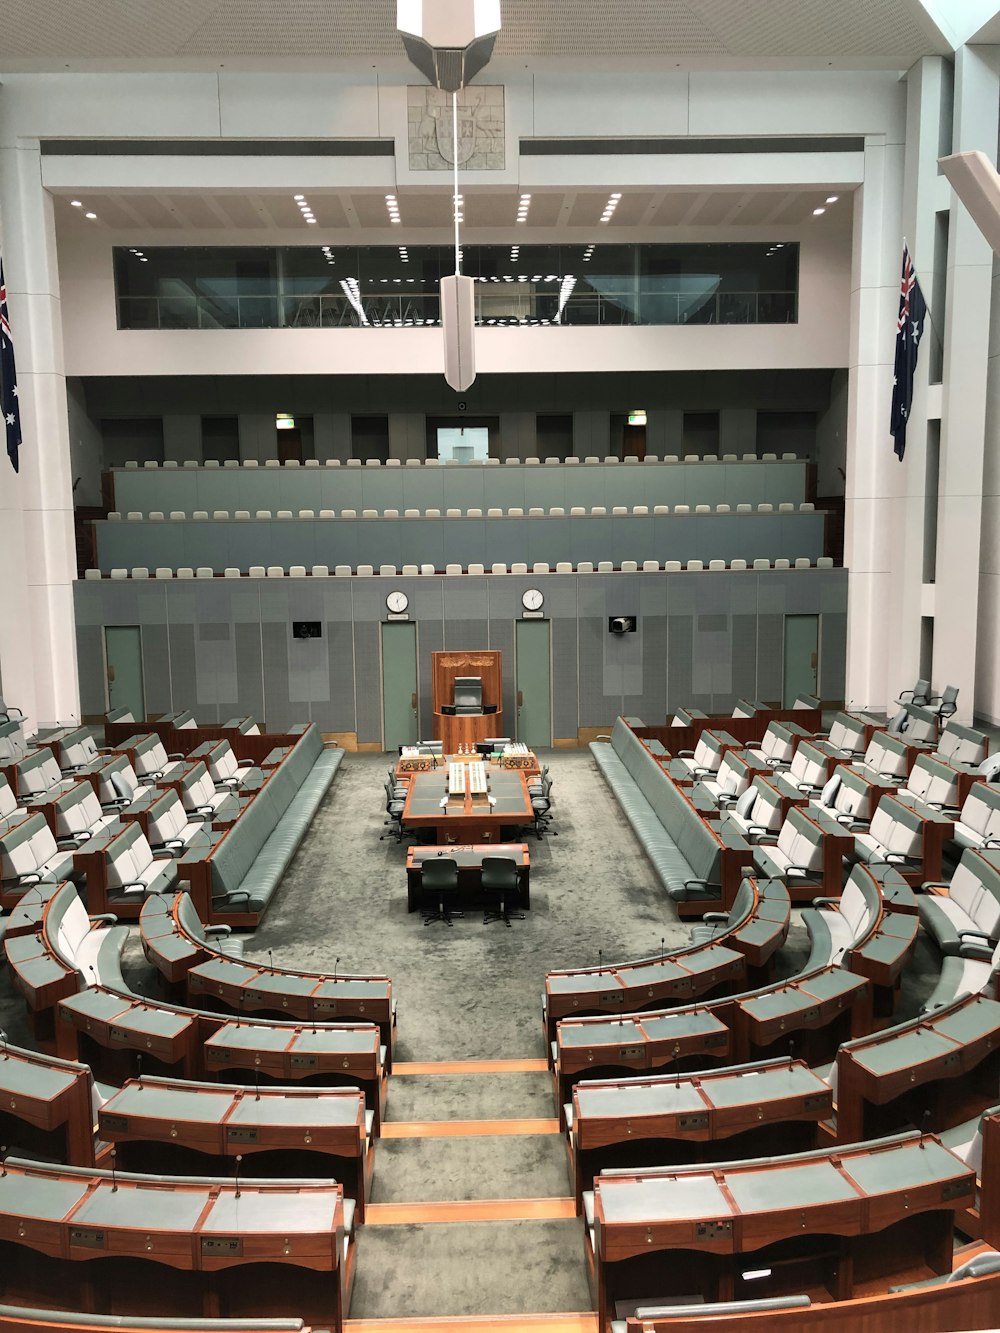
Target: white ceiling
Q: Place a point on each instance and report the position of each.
(57, 33)
(253, 216)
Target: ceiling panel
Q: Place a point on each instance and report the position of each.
(366, 211)
(895, 31)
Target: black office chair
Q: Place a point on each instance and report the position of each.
(394, 809)
(501, 890)
(438, 885)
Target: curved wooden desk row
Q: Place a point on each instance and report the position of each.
(21, 1319)
(200, 1044)
(217, 1240)
(186, 961)
(908, 1073)
(679, 975)
(811, 1013)
(969, 1303)
(817, 1223)
(53, 1103)
(769, 1106)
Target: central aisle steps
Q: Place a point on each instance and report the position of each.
(471, 1225)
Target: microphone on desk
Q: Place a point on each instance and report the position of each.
(791, 1048)
(663, 940)
(270, 960)
(336, 964)
(239, 1159)
(114, 1176)
(138, 1068)
(3, 1159)
(677, 1064)
(924, 1125)
(600, 961)
(256, 1085)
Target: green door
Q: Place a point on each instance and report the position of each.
(123, 655)
(801, 657)
(534, 682)
(399, 684)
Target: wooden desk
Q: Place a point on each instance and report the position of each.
(817, 1221)
(772, 1106)
(470, 867)
(877, 1075)
(215, 1244)
(588, 1047)
(815, 1011)
(160, 1123)
(246, 987)
(407, 765)
(457, 729)
(680, 975)
(340, 1053)
(472, 820)
(120, 1024)
(52, 1098)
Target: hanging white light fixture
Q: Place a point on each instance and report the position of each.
(450, 41)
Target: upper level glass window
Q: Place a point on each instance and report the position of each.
(258, 287)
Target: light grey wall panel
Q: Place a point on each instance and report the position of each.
(183, 672)
(224, 647)
(680, 652)
(249, 671)
(368, 680)
(90, 659)
(833, 655)
(278, 708)
(595, 705)
(565, 678)
(338, 713)
(770, 656)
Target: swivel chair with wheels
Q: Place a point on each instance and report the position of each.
(438, 889)
(394, 809)
(501, 890)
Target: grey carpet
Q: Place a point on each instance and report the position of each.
(471, 1097)
(472, 991)
(515, 1166)
(472, 1268)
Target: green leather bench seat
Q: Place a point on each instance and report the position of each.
(675, 838)
(248, 864)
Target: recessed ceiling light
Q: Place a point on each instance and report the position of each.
(143, 259)
(75, 203)
(90, 215)
(833, 198)
(311, 221)
(298, 197)
(818, 212)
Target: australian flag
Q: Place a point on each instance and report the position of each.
(8, 380)
(909, 331)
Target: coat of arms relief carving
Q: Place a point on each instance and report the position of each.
(480, 129)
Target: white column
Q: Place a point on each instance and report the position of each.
(928, 97)
(963, 412)
(873, 478)
(37, 551)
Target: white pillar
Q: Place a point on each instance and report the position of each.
(873, 479)
(964, 383)
(37, 549)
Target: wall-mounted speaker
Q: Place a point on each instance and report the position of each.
(622, 624)
(307, 629)
(458, 322)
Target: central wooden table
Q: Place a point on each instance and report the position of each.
(469, 859)
(468, 819)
